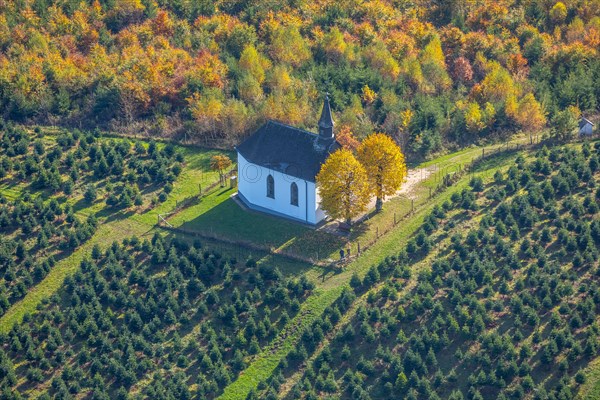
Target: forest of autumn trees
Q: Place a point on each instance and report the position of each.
(428, 73)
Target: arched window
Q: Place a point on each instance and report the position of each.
(270, 187)
(294, 194)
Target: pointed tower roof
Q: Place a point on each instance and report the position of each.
(326, 120)
(289, 150)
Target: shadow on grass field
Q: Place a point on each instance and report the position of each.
(228, 220)
(217, 215)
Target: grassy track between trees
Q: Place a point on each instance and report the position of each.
(112, 227)
(590, 390)
(329, 283)
(262, 366)
(106, 234)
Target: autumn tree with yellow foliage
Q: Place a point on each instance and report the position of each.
(220, 163)
(384, 162)
(530, 115)
(212, 70)
(343, 186)
(476, 117)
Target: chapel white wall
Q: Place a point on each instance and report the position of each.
(252, 184)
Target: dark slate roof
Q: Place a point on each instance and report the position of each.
(286, 149)
(585, 121)
(326, 120)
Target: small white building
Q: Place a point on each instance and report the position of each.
(277, 167)
(586, 127)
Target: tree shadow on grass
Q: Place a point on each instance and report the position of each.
(223, 190)
(82, 204)
(112, 215)
(10, 181)
(358, 230)
(330, 270)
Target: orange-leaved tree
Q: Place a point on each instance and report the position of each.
(345, 137)
(384, 162)
(220, 163)
(343, 186)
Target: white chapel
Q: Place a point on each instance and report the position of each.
(277, 167)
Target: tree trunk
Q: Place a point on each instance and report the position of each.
(379, 204)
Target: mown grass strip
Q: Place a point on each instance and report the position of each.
(328, 291)
(107, 233)
(115, 230)
(590, 390)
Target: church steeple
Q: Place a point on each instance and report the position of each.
(326, 121)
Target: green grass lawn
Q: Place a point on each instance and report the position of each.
(330, 286)
(220, 216)
(217, 215)
(195, 175)
(115, 225)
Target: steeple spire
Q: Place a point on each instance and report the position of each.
(326, 121)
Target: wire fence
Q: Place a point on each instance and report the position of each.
(248, 245)
(444, 177)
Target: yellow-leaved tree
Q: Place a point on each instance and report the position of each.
(253, 63)
(530, 115)
(476, 118)
(558, 13)
(384, 162)
(343, 186)
(220, 163)
(473, 117)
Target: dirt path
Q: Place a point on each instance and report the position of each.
(413, 178)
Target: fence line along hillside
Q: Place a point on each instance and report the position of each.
(439, 180)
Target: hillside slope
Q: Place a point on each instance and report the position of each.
(496, 296)
(429, 73)
(488, 289)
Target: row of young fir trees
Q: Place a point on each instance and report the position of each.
(349, 179)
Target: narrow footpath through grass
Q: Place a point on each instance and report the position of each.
(328, 289)
(263, 365)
